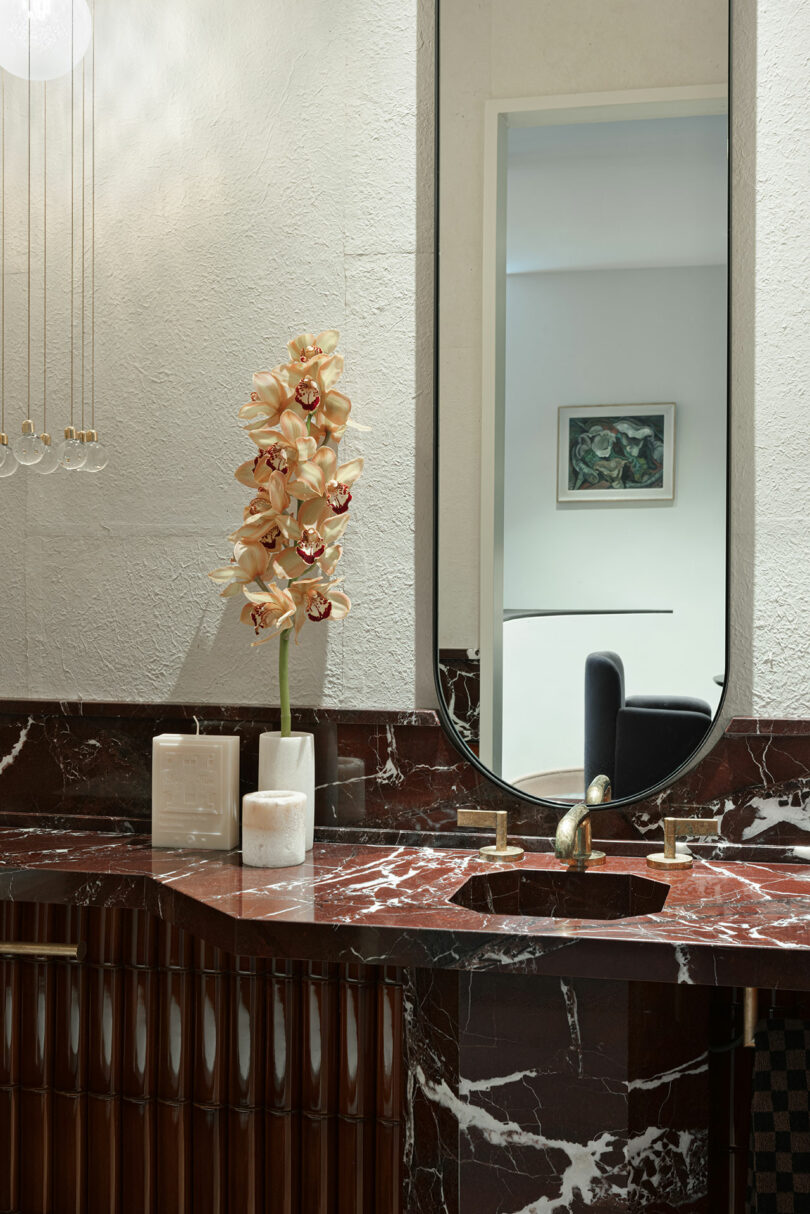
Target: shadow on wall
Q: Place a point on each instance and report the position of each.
(208, 662)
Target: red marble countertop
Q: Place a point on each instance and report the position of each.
(724, 923)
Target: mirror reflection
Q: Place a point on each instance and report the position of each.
(582, 467)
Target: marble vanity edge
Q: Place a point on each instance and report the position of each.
(247, 912)
(216, 712)
(785, 727)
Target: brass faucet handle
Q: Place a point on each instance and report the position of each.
(501, 849)
(675, 828)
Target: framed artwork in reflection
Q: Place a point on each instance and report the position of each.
(616, 453)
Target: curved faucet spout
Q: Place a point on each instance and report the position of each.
(568, 828)
(572, 841)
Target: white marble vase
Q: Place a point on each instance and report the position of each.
(290, 763)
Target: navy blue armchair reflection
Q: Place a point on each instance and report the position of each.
(639, 740)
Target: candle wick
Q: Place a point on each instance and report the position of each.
(197, 723)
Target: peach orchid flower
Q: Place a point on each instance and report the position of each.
(305, 347)
(312, 544)
(287, 547)
(314, 392)
(320, 483)
(279, 450)
(250, 561)
(268, 400)
(316, 600)
(270, 611)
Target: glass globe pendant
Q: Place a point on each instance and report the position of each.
(96, 454)
(48, 25)
(71, 453)
(8, 464)
(29, 447)
(50, 460)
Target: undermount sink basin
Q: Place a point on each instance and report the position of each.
(562, 895)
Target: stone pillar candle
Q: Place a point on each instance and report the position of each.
(290, 763)
(274, 828)
(195, 790)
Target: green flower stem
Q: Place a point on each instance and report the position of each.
(283, 671)
(284, 682)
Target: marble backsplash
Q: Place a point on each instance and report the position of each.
(384, 776)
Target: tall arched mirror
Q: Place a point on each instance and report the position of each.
(582, 403)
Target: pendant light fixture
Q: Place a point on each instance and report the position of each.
(8, 464)
(50, 461)
(40, 40)
(28, 448)
(43, 39)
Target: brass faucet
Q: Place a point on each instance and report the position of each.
(501, 849)
(675, 828)
(572, 842)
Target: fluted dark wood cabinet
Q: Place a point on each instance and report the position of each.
(160, 1074)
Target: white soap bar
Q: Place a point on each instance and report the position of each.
(274, 828)
(195, 791)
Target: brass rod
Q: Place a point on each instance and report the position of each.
(16, 948)
(750, 1015)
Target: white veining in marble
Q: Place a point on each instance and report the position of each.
(695, 1066)
(682, 958)
(7, 760)
(570, 1000)
(467, 1086)
(773, 811)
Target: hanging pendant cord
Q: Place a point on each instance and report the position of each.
(44, 256)
(3, 252)
(28, 301)
(72, 212)
(83, 245)
(83, 236)
(93, 224)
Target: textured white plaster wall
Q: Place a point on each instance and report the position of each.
(262, 168)
(781, 480)
(283, 181)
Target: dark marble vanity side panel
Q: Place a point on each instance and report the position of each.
(383, 776)
(613, 1118)
(583, 1095)
(432, 1130)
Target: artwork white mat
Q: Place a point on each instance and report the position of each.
(620, 447)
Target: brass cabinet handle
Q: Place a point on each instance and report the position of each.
(491, 817)
(19, 948)
(750, 1015)
(677, 828)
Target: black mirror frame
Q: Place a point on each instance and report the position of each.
(444, 715)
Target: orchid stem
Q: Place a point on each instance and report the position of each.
(283, 671)
(284, 682)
